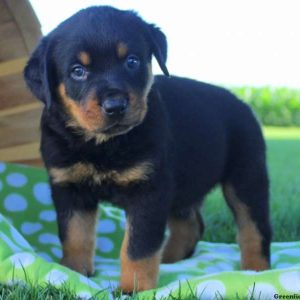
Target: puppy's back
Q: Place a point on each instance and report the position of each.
(211, 131)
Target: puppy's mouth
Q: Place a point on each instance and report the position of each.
(117, 128)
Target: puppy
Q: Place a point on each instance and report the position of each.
(154, 146)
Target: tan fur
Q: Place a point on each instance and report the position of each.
(99, 137)
(84, 58)
(87, 119)
(84, 171)
(184, 235)
(79, 246)
(122, 50)
(248, 237)
(137, 275)
(86, 115)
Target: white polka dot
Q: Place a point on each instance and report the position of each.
(106, 226)
(108, 284)
(9, 243)
(57, 252)
(206, 257)
(29, 228)
(89, 282)
(166, 291)
(105, 244)
(42, 193)
(192, 262)
(15, 202)
(115, 268)
(45, 256)
(19, 239)
(284, 265)
(291, 252)
(84, 295)
(2, 167)
(49, 238)
(290, 281)
(16, 179)
(9, 221)
(285, 245)
(168, 268)
(261, 291)
(210, 289)
(56, 277)
(21, 260)
(226, 250)
(184, 277)
(106, 260)
(211, 269)
(274, 258)
(110, 273)
(248, 272)
(98, 258)
(48, 215)
(223, 266)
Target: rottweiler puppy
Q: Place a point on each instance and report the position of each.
(154, 146)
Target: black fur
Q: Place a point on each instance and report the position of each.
(196, 135)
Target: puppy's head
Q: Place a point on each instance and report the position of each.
(95, 67)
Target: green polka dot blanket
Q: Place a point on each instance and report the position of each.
(30, 250)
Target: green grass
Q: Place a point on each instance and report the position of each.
(283, 152)
(32, 292)
(284, 167)
(49, 292)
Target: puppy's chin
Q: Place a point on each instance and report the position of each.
(117, 129)
(103, 135)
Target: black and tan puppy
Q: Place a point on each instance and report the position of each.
(153, 146)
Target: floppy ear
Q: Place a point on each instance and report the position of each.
(37, 73)
(159, 47)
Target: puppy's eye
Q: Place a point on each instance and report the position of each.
(132, 62)
(79, 72)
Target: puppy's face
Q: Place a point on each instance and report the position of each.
(103, 85)
(96, 68)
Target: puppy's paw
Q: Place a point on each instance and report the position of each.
(255, 263)
(80, 265)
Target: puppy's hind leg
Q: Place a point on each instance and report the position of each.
(247, 196)
(186, 228)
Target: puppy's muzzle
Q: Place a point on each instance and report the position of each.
(115, 107)
(114, 103)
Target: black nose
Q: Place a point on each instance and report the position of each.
(115, 107)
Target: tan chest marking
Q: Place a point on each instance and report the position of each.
(80, 172)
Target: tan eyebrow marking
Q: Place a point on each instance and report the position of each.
(84, 58)
(122, 50)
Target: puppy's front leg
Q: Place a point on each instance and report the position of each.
(141, 249)
(77, 217)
